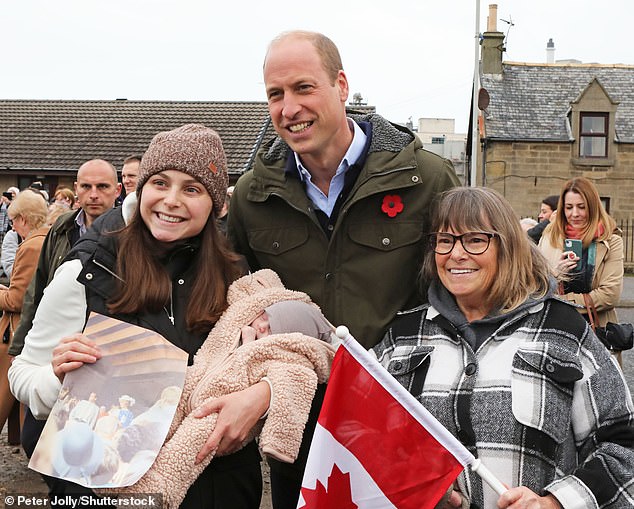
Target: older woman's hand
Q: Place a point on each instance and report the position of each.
(237, 414)
(523, 498)
(72, 353)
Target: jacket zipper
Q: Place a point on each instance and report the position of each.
(107, 270)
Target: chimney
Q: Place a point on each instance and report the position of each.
(492, 18)
(550, 52)
(492, 44)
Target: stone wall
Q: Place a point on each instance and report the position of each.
(526, 172)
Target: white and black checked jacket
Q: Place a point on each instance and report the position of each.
(541, 402)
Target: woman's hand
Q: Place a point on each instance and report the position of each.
(72, 353)
(567, 263)
(237, 414)
(523, 498)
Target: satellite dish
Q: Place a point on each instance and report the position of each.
(483, 99)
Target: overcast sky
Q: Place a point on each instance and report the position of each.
(409, 58)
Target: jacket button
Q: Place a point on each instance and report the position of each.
(398, 365)
(331, 227)
(385, 241)
(181, 281)
(276, 245)
(470, 369)
(415, 178)
(328, 276)
(89, 276)
(550, 368)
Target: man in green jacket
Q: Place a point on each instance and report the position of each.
(338, 205)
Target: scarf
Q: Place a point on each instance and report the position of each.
(573, 233)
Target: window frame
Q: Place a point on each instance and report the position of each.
(603, 135)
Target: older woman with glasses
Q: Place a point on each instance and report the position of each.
(516, 374)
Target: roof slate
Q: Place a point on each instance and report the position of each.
(531, 101)
(61, 135)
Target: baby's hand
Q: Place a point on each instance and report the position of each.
(248, 334)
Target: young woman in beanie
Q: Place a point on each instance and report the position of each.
(167, 270)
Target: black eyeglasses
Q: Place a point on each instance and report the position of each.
(474, 243)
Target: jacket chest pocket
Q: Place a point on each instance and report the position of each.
(384, 236)
(277, 241)
(409, 365)
(542, 386)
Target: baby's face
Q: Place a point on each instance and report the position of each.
(261, 325)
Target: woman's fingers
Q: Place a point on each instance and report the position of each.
(72, 352)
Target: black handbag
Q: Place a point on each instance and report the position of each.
(615, 336)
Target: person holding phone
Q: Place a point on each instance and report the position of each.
(597, 269)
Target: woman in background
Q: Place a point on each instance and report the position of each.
(599, 271)
(64, 196)
(28, 214)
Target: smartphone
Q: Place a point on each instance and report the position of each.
(576, 247)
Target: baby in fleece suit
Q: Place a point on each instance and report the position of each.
(293, 353)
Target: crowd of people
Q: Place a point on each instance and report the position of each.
(483, 322)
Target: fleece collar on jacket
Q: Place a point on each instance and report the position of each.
(391, 159)
(385, 137)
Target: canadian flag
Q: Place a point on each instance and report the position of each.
(375, 446)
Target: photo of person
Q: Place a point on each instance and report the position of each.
(111, 418)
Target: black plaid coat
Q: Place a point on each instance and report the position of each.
(541, 402)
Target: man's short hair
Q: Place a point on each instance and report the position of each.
(326, 49)
(132, 159)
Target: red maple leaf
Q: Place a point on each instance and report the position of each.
(337, 496)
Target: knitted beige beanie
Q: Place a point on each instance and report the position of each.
(193, 149)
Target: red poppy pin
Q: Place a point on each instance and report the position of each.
(392, 205)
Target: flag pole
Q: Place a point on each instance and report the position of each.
(440, 433)
(487, 476)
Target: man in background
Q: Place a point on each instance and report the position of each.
(96, 188)
(130, 173)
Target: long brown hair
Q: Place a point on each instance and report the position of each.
(596, 214)
(145, 283)
(522, 270)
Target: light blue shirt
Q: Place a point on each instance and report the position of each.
(80, 221)
(352, 155)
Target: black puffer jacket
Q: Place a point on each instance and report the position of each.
(98, 254)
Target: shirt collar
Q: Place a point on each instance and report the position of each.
(352, 155)
(80, 221)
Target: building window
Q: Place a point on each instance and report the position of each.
(593, 135)
(438, 140)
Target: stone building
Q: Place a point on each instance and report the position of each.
(542, 124)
